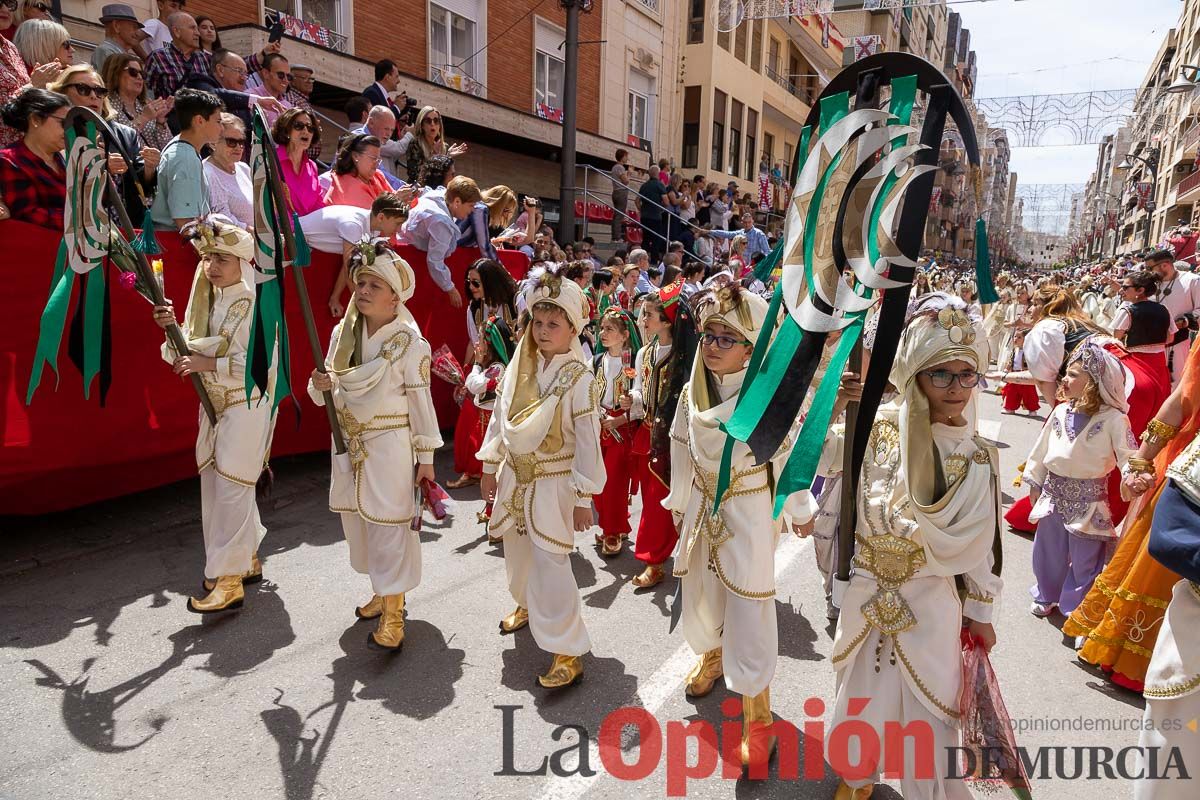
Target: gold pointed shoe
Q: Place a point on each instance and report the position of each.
(757, 743)
(652, 575)
(610, 546)
(372, 610)
(704, 676)
(252, 575)
(564, 671)
(845, 792)
(515, 621)
(389, 634)
(226, 594)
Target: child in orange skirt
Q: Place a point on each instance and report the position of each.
(614, 380)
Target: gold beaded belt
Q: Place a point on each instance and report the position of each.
(528, 467)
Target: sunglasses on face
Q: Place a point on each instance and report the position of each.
(87, 90)
(11, 5)
(234, 144)
(303, 126)
(723, 342)
(475, 283)
(941, 378)
(283, 76)
(133, 73)
(42, 7)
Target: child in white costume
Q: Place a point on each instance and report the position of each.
(541, 461)
(378, 366)
(1084, 439)
(230, 456)
(928, 513)
(727, 563)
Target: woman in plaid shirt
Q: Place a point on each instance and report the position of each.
(32, 170)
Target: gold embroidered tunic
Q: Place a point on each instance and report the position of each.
(544, 443)
(387, 416)
(898, 586)
(236, 447)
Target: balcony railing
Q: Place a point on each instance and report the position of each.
(453, 78)
(1188, 184)
(308, 31)
(651, 5)
(788, 86)
(1190, 139)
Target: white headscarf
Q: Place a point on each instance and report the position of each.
(1104, 369)
(374, 257)
(215, 234)
(957, 525)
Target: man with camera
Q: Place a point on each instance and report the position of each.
(387, 81)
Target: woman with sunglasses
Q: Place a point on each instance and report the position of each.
(42, 41)
(356, 179)
(129, 102)
(230, 184)
(83, 87)
(33, 181)
(426, 135)
(293, 134)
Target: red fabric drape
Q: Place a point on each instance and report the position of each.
(63, 451)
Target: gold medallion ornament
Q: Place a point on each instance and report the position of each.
(893, 560)
(551, 283)
(957, 325)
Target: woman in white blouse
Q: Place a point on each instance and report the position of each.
(230, 184)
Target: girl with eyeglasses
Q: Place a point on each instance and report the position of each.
(726, 563)
(293, 133)
(129, 102)
(925, 564)
(424, 139)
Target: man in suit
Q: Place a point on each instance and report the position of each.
(387, 79)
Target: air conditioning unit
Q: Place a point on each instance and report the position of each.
(1182, 169)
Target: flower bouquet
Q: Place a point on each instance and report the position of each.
(446, 367)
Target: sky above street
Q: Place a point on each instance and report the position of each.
(1055, 46)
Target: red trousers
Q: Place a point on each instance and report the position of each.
(468, 437)
(656, 534)
(612, 504)
(1018, 394)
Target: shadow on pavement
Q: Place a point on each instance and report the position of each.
(234, 643)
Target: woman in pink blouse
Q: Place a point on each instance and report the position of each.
(357, 180)
(294, 132)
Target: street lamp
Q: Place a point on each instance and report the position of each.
(1151, 162)
(1183, 84)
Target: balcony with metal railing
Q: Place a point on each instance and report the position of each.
(790, 86)
(1189, 188)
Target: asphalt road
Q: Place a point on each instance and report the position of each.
(110, 688)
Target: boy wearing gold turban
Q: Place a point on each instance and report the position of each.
(542, 462)
(726, 562)
(230, 455)
(378, 371)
